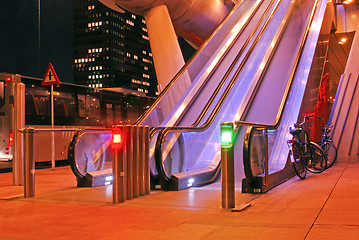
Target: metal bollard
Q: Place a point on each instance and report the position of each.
(129, 161)
(29, 164)
(135, 154)
(227, 156)
(146, 159)
(19, 123)
(118, 164)
(141, 162)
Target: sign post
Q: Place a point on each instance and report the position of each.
(51, 78)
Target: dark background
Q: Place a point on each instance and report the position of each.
(19, 37)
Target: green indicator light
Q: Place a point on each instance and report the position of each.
(227, 135)
(226, 139)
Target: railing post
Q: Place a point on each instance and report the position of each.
(227, 156)
(129, 162)
(19, 123)
(147, 160)
(141, 162)
(135, 154)
(266, 157)
(118, 164)
(29, 163)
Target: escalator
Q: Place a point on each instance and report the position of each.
(254, 65)
(258, 86)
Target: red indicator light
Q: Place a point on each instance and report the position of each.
(117, 138)
(7, 80)
(11, 138)
(291, 141)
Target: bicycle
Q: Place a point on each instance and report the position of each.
(306, 155)
(328, 147)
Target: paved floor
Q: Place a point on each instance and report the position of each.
(324, 206)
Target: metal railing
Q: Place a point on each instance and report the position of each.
(265, 127)
(28, 160)
(164, 132)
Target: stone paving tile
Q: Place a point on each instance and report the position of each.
(328, 232)
(286, 212)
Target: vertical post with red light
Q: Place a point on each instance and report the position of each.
(118, 163)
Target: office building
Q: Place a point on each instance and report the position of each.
(111, 49)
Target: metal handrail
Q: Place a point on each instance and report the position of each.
(220, 85)
(164, 132)
(279, 116)
(186, 66)
(72, 147)
(204, 111)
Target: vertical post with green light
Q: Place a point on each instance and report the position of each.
(227, 158)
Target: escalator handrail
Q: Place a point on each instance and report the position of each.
(153, 130)
(164, 132)
(186, 66)
(252, 125)
(225, 77)
(72, 147)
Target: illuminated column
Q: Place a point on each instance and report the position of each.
(167, 55)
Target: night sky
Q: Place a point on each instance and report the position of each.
(19, 37)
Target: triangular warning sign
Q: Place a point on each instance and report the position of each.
(50, 77)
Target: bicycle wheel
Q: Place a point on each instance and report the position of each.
(317, 162)
(330, 151)
(298, 160)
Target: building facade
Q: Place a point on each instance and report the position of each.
(111, 49)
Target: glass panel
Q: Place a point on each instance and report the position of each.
(93, 151)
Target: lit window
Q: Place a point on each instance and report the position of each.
(135, 57)
(75, 60)
(89, 51)
(89, 25)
